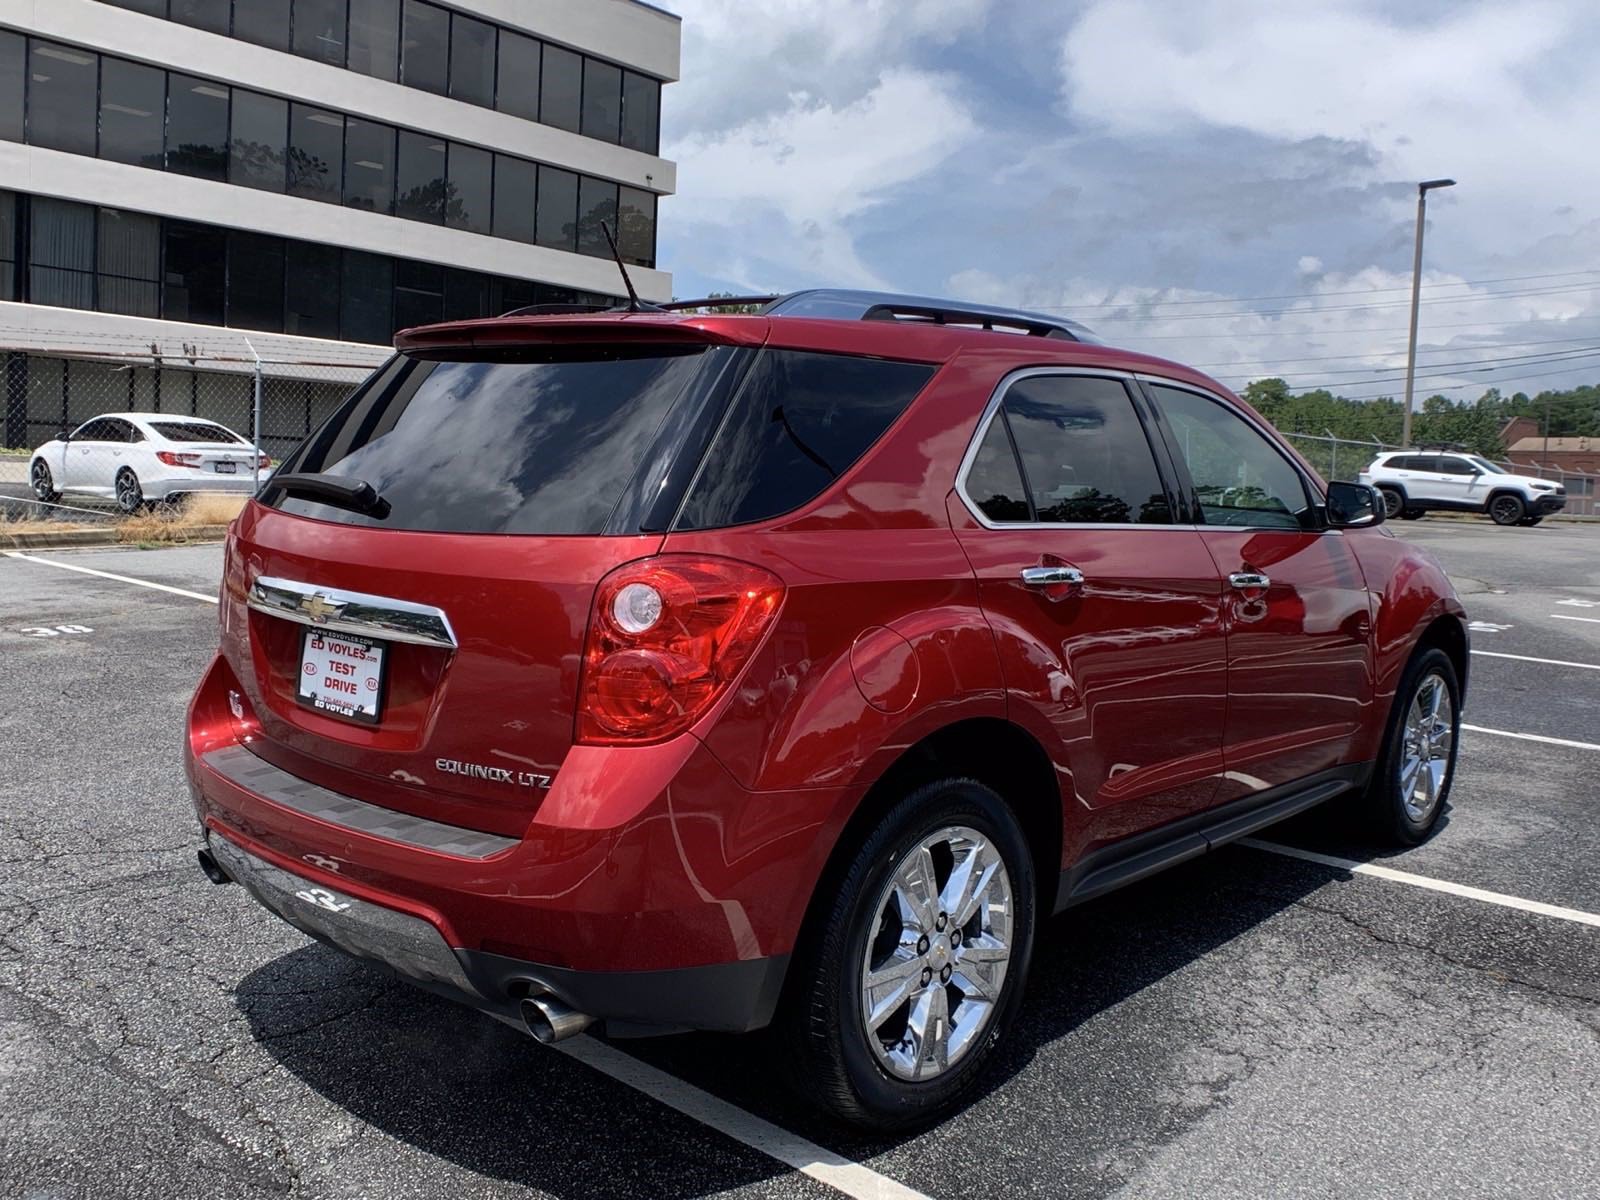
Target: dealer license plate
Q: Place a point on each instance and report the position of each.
(342, 675)
(226, 468)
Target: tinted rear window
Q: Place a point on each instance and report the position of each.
(547, 442)
(800, 421)
(191, 431)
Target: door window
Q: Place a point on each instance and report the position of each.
(97, 430)
(1083, 452)
(1239, 477)
(1455, 466)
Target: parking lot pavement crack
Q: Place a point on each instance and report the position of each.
(1499, 977)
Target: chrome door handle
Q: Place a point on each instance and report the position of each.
(1249, 580)
(1049, 576)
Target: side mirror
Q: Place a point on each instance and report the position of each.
(1354, 506)
(65, 435)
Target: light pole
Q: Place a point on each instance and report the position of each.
(1416, 297)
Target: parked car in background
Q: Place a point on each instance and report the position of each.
(1414, 483)
(675, 671)
(140, 458)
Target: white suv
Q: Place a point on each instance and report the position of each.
(1413, 483)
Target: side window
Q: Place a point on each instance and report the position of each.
(1240, 478)
(1455, 466)
(96, 430)
(120, 431)
(994, 480)
(1085, 456)
(1425, 462)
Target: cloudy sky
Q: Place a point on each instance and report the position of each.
(1227, 182)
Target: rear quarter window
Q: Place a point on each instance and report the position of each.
(799, 421)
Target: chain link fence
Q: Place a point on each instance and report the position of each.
(122, 430)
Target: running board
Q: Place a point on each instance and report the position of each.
(1105, 870)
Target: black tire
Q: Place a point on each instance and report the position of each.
(1507, 509)
(130, 496)
(1389, 815)
(823, 1023)
(1394, 501)
(44, 484)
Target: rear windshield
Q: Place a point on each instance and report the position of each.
(587, 440)
(195, 431)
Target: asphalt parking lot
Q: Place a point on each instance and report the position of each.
(1251, 1024)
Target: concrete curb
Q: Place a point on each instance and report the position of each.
(68, 538)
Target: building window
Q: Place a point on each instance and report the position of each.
(472, 60)
(13, 57)
(255, 282)
(636, 221)
(471, 188)
(133, 103)
(61, 253)
(8, 242)
(602, 100)
(61, 99)
(155, 8)
(518, 86)
(515, 191)
(420, 177)
(197, 127)
(264, 22)
(311, 300)
(425, 47)
(418, 293)
(128, 259)
(316, 153)
(641, 112)
(561, 88)
(375, 38)
(369, 166)
(258, 151)
(597, 202)
(319, 30)
(557, 220)
(192, 279)
(210, 15)
(366, 302)
(466, 295)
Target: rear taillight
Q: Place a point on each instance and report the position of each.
(174, 459)
(666, 637)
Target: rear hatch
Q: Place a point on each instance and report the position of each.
(422, 651)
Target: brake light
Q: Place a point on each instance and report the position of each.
(174, 459)
(666, 637)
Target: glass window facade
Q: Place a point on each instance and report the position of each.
(636, 226)
(8, 242)
(366, 302)
(197, 127)
(258, 150)
(61, 247)
(319, 29)
(210, 15)
(561, 88)
(264, 22)
(518, 83)
(133, 102)
(13, 76)
(316, 153)
(61, 97)
(193, 276)
(597, 202)
(369, 166)
(602, 100)
(556, 223)
(471, 175)
(472, 57)
(641, 112)
(375, 38)
(425, 47)
(128, 263)
(516, 185)
(418, 294)
(311, 290)
(420, 177)
(255, 282)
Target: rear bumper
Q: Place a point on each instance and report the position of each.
(734, 996)
(188, 482)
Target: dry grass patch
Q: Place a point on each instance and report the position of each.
(181, 523)
(21, 523)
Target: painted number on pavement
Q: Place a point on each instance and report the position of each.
(48, 631)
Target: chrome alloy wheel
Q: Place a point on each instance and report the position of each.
(1425, 752)
(935, 964)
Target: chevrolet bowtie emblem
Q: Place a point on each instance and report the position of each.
(319, 608)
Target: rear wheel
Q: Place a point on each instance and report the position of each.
(1506, 509)
(1412, 781)
(1393, 502)
(130, 496)
(917, 966)
(44, 487)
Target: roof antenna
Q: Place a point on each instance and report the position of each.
(634, 303)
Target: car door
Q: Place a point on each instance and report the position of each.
(1297, 611)
(1457, 481)
(88, 459)
(1106, 612)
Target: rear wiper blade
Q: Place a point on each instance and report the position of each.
(341, 491)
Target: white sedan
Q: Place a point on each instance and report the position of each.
(140, 458)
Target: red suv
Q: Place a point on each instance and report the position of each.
(676, 671)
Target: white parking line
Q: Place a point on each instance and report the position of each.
(1424, 881)
(160, 587)
(1549, 662)
(1533, 737)
(839, 1173)
(1585, 620)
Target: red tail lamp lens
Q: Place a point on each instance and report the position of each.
(666, 638)
(176, 459)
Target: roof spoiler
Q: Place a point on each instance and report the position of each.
(611, 326)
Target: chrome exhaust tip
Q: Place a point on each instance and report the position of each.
(213, 871)
(550, 1021)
